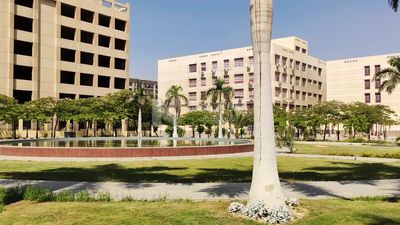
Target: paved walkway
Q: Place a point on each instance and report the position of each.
(219, 191)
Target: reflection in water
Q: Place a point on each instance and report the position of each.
(124, 143)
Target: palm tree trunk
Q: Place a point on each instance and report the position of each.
(175, 131)
(325, 127)
(220, 117)
(265, 184)
(140, 122)
(37, 129)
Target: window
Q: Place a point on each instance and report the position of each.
(284, 78)
(319, 71)
(277, 92)
(119, 83)
(367, 70)
(277, 76)
(297, 80)
(192, 82)
(226, 64)
(87, 16)
(23, 48)
(277, 59)
(104, 20)
(86, 79)
(251, 60)
(22, 96)
(304, 96)
(26, 3)
(214, 65)
(238, 93)
(120, 64)
(22, 72)
(203, 82)
(192, 68)
(87, 37)
(104, 81)
(298, 95)
(319, 85)
(67, 33)
(104, 41)
(303, 67)
(239, 79)
(304, 82)
(120, 24)
(226, 79)
(192, 96)
(377, 69)
(297, 65)
(203, 67)
(85, 96)
(120, 44)
(66, 96)
(284, 61)
(298, 48)
(104, 61)
(367, 98)
(67, 77)
(67, 10)
(251, 93)
(251, 78)
(367, 84)
(239, 62)
(87, 58)
(284, 93)
(378, 83)
(67, 55)
(304, 50)
(23, 23)
(378, 98)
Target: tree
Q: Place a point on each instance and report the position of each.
(327, 113)
(175, 99)
(197, 119)
(394, 4)
(44, 111)
(117, 107)
(284, 130)
(9, 112)
(220, 96)
(390, 76)
(265, 183)
(140, 100)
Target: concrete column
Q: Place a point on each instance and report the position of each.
(124, 127)
(20, 125)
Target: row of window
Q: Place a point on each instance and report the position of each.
(68, 77)
(87, 58)
(304, 81)
(88, 16)
(298, 95)
(87, 37)
(367, 70)
(378, 98)
(291, 63)
(367, 84)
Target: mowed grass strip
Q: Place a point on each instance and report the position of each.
(349, 150)
(188, 171)
(318, 212)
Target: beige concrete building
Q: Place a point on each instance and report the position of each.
(298, 79)
(150, 86)
(64, 48)
(351, 80)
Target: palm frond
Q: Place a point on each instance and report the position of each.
(394, 4)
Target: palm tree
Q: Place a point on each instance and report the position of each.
(175, 98)
(265, 184)
(394, 4)
(140, 100)
(390, 75)
(220, 96)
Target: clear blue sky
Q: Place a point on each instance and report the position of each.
(334, 28)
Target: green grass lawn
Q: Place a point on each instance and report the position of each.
(349, 150)
(187, 171)
(318, 212)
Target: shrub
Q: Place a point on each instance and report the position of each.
(104, 196)
(13, 194)
(37, 194)
(65, 196)
(84, 196)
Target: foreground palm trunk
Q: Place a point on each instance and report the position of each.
(265, 184)
(140, 122)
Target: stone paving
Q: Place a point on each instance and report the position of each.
(220, 191)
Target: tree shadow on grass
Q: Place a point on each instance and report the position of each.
(380, 220)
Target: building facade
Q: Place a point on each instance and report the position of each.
(63, 49)
(150, 86)
(298, 80)
(351, 80)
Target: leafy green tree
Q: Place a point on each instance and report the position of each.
(283, 129)
(200, 129)
(117, 107)
(196, 119)
(298, 118)
(65, 110)
(176, 99)
(9, 112)
(389, 76)
(221, 96)
(326, 113)
(361, 117)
